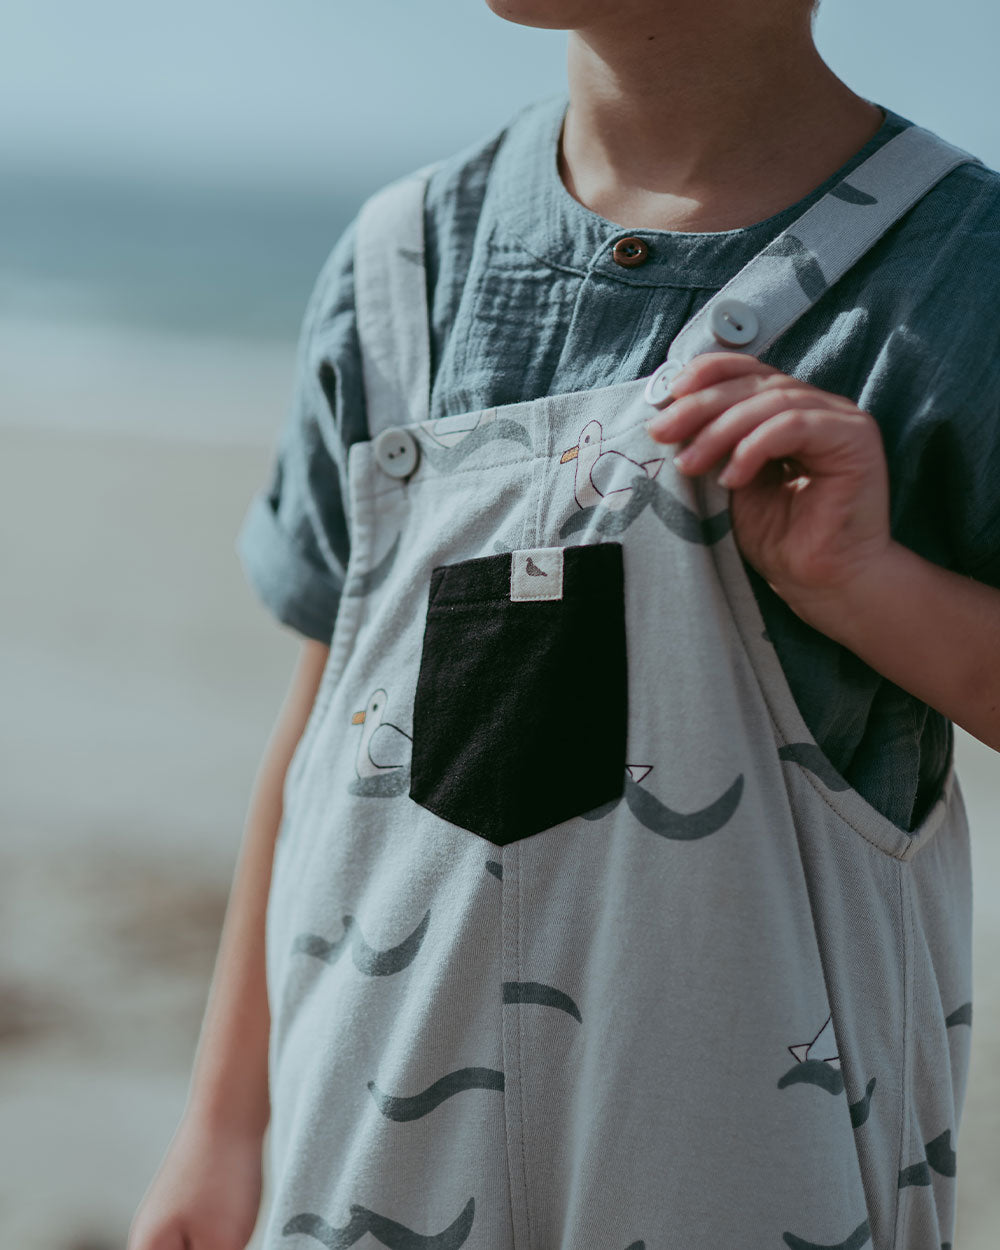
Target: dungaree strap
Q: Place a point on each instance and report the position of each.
(391, 303)
(748, 314)
(787, 277)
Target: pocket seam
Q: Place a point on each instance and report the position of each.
(906, 852)
(788, 725)
(905, 923)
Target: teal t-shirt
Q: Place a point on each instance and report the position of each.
(527, 300)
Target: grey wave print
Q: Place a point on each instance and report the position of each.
(385, 785)
(860, 1110)
(676, 826)
(391, 1234)
(373, 963)
(961, 1015)
(814, 1072)
(940, 1156)
(818, 1072)
(537, 992)
(851, 195)
(445, 459)
(645, 493)
(809, 755)
(807, 269)
(860, 1237)
(915, 1174)
(397, 1107)
(364, 583)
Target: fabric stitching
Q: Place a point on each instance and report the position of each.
(901, 1207)
(442, 607)
(505, 880)
(520, 1054)
(917, 839)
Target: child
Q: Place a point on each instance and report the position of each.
(620, 891)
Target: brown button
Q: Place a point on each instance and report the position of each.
(630, 252)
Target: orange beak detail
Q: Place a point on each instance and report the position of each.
(572, 454)
(358, 718)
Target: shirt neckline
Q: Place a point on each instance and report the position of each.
(535, 206)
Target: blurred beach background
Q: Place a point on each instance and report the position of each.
(171, 179)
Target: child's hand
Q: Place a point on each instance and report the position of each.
(807, 471)
(206, 1194)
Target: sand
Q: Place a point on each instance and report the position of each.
(140, 678)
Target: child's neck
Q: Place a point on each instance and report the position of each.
(702, 124)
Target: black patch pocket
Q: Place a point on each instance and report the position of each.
(520, 712)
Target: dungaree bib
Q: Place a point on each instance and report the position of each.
(575, 939)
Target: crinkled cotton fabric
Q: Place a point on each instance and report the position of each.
(527, 302)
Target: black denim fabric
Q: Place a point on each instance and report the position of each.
(519, 718)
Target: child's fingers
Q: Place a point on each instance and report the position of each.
(686, 416)
(817, 438)
(712, 367)
(718, 437)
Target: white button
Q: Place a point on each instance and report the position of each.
(658, 386)
(396, 452)
(733, 323)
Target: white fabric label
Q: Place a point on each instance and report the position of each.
(536, 574)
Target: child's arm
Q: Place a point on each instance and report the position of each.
(207, 1191)
(934, 632)
(810, 510)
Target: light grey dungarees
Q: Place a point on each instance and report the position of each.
(576, 940)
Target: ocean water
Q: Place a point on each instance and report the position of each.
(165, 309)
(236, 261)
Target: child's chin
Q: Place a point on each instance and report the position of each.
(550, 14)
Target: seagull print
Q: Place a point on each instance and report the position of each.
(383, 759)
(611, 490)
(822, 1048)
(816, 1062)
(597, 469)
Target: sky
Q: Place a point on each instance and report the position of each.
(323, 92)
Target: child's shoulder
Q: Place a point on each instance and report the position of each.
(928, 285)
(959, 217)
(961, 212)
(456, 187)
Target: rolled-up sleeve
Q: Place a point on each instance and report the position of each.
(294, 540)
